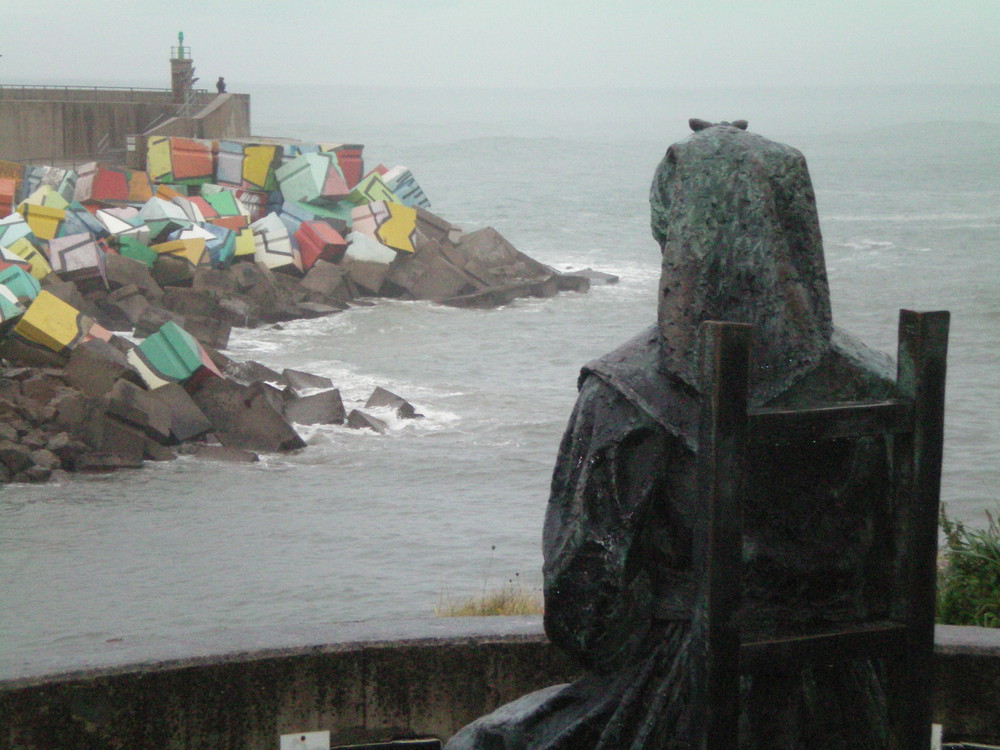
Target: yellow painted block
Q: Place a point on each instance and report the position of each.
(244, 242)
(192, 249)
(257, 161)
(46, 195)
(24, 250)
(397, 231)
(43, 220)
(52, 323)
(158, 157)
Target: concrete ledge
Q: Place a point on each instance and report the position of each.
(364, 681)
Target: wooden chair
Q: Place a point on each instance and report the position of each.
(914, 423)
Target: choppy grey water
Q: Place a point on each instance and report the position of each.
(365, 526)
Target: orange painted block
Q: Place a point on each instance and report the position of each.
(234, 223)
(168, 193)
(191, 160)
(11, 170)
(139, 189)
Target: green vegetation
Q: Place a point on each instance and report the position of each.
(509, 600)
(969, 579)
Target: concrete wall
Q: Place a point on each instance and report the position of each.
(33, 127)
(369, 682)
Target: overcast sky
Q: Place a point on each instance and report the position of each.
(508, 43)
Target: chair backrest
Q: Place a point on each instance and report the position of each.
(913, 425)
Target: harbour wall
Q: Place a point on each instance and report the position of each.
(52, 123)
(364, 682)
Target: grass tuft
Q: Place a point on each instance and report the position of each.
(969, 581)
(510, 600)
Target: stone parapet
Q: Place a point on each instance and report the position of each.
(363, 681)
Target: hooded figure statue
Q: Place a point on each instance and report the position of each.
(735, 217)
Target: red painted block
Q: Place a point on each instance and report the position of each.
(352, 166)
(318, 240)
(205, 207)
(109, 185)
(8, 191)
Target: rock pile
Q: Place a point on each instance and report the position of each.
(214, 235)
(92, 409)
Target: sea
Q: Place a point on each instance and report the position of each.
(362, 526)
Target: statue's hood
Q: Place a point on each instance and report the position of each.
(735, 216)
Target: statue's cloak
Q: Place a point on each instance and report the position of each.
(735, 217)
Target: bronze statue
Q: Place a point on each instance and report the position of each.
(735, 217)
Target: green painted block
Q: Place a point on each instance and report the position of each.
(224, 202)
(129, 247)
(371, 189)
(20, 282)
(172, 353)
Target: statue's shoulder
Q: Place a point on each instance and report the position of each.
(635, 370)
(849, 371)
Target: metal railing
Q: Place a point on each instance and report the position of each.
(83, 93)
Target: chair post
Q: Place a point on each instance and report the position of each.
(718, 535)
(921, 361)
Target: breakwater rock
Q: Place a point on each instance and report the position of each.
(214, 235)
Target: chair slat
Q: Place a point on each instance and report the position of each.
(885, 637)
(768, 426)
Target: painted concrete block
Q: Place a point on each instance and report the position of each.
(172, 355)
(46, 195)
(158, 164)
(391, 224)
(272, 245)
(401, 181)
(371, 189)
(313, 178)
(192, 160)
(131, 247)
(24, 286)
(190, 209)
(139, 189)
(99, 183)
(43, 220)
(8, 259)
(244, 245)
(29, 253)
(10, 308)
(162, 217)
(61, 180)
(78, 219)
(221, 247)
(259, 163)
(52, 323)
(208, 213)
(14, 227)
(124, 222)
(350, 159)
(367, 261)
(318, 240)
(8, 195)
(189, 248)
(78, 258)
(229, 164)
